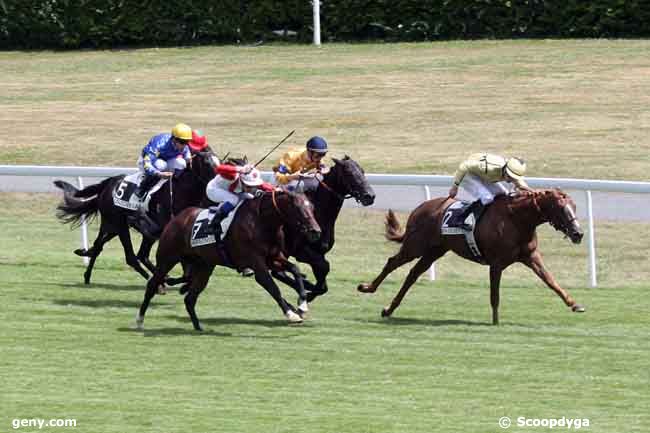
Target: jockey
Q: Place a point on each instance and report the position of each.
(164, 154)
(198, 143)
(230, 186)
(484, 176)
(292, 167)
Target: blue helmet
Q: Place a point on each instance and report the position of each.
(317, 144)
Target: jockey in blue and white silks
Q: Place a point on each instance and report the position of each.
(164, 154)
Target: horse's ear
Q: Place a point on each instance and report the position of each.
(336, 161)
(245, 159)
(346, 158)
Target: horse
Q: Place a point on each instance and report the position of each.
(254, 240)
(505, 234)
(83, 205)
(345, 179)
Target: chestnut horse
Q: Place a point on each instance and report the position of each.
(254, 240)
(505, 234)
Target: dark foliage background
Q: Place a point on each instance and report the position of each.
(115, 23)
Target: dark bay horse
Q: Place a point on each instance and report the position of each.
(188, 190)
(505, 234)
(254, 240)
(345, 179)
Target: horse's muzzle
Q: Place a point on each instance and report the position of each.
(576, 236)
(312, 235)
(367, 199)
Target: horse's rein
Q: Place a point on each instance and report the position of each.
(329, 188)
(275, 205)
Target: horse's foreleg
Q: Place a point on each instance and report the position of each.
(200, 277)
(156, 280)
(131, 259)
(495, 281)
(297, 283)
(95, 251)
(536, 263)
(263, 278)
(391, 264)
(144, 252)
(422, 265)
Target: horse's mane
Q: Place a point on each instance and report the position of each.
(536, 198)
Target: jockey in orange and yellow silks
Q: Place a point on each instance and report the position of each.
(292, 168)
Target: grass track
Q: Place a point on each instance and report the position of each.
(68, 351)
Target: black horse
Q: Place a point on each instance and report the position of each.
(188, 190)
(345, 179)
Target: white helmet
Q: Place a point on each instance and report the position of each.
(252, 178)
(515, 168)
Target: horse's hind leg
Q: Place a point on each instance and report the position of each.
(495, 281)
(422, 265)
(391, 264)
(129, 255)
(95, 251)
(200, 277)
(536, 263)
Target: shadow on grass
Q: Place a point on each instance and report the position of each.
(405, 321)
(102, 303)
(105, 286)
(225, 321)
(172, 332)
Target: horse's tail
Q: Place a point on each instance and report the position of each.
(87, 192)
(73, 209)
(393, 229)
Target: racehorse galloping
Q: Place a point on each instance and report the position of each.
(505, 234)
(254, 240)
(188, 190)
(345, 179)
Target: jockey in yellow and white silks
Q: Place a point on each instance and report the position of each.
(484, 176)
(292, 168)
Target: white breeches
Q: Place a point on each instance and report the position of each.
(218, 194)
(473, 188)
(170, 165)
(302, 185)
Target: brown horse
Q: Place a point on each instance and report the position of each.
(505, 234)
(255, 240)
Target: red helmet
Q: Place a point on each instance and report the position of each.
(198, 142)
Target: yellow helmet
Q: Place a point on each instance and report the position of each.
(515, 168)
(182, 131)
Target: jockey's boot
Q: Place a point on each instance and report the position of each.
(476, 208)
(147, 183)
(220, 212)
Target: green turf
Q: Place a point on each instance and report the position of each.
(69, 350)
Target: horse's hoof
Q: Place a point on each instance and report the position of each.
(303, 307)
(577, 308)
(139, 322)
(293, 317)
(385, 312)
(81, 252)
(162, 290)
(365, 288)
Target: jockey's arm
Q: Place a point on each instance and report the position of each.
(227, 171)
(521, 184)
(149, 160)
(267, 187)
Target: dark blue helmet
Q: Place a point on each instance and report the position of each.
(317, 144)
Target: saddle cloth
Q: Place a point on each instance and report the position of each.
(124, 197)
(201, 223)
(451, 223)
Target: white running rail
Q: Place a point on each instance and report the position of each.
(426, 181)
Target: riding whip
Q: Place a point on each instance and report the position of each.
(276, 146)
